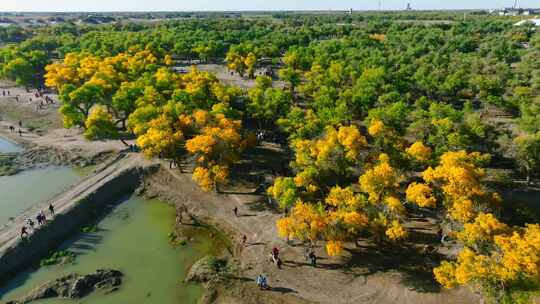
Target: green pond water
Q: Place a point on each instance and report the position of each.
(7, 146)
(23, 190)
(132, 238)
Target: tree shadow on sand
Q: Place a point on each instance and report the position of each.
(414, 265)
(261, 204)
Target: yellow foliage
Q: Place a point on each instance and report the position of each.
(99, 124)
(483, 229)
(462, 210)
(303, 223)
(378, 37)
(202, 177)
(355, 220)
(334, 248)
(343, 197)
(459, 178)
(201, 117)
(284, 227)
(159, 137)
(419, 151)
(352, 140)
(516, 256)
(445, 274)
(219, 140)
(168, 60)
(421, 194)
(520, 253)
(379, 181)
(198, 83)
(376, 127)
(394, 205)
(331, 155)
(395, 231)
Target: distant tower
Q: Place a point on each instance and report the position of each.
(515, 4)
(380, 5)
(350, 11)
(409, 7)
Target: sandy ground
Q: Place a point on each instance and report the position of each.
(363, 275)
(222, 73)
(43, 127)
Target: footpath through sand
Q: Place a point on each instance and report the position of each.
(333, 281)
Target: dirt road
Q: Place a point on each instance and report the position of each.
(335, 280)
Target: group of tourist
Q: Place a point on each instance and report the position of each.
(41, 220)
(309, 254)
(43, 99)
(46, 100)
(262, 282)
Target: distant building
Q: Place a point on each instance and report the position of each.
(536, 22)
(409, 7)
(510, 11)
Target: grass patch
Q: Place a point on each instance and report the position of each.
(59, 257)
(7, 164)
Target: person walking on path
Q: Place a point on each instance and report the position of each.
(313, 259)
(244, 240)
(307, 251)
(260, 281)
(20, 132)
(24, 232)
(264, 283)
(51, 209)
(235, 211)
(41, 218)
(275, 253)
(30, 223)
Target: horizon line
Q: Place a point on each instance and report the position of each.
(266, 10)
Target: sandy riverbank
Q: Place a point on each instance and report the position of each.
(369, 278)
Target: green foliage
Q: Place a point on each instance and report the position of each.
(99, 124)
(526, 150)
(89, 229)
(266, 103)
(58, 257)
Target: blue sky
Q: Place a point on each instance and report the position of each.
(234, 5)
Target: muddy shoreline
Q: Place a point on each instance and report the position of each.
(239, 286)
(34, 156)
(74, 208)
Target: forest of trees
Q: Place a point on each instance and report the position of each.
(381, 118)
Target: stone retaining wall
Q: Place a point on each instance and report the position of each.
(86, 209)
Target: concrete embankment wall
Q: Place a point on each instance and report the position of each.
(86, 209)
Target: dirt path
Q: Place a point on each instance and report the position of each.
(10, 233)
(222, 73)
(335, 280)
(42, 128)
